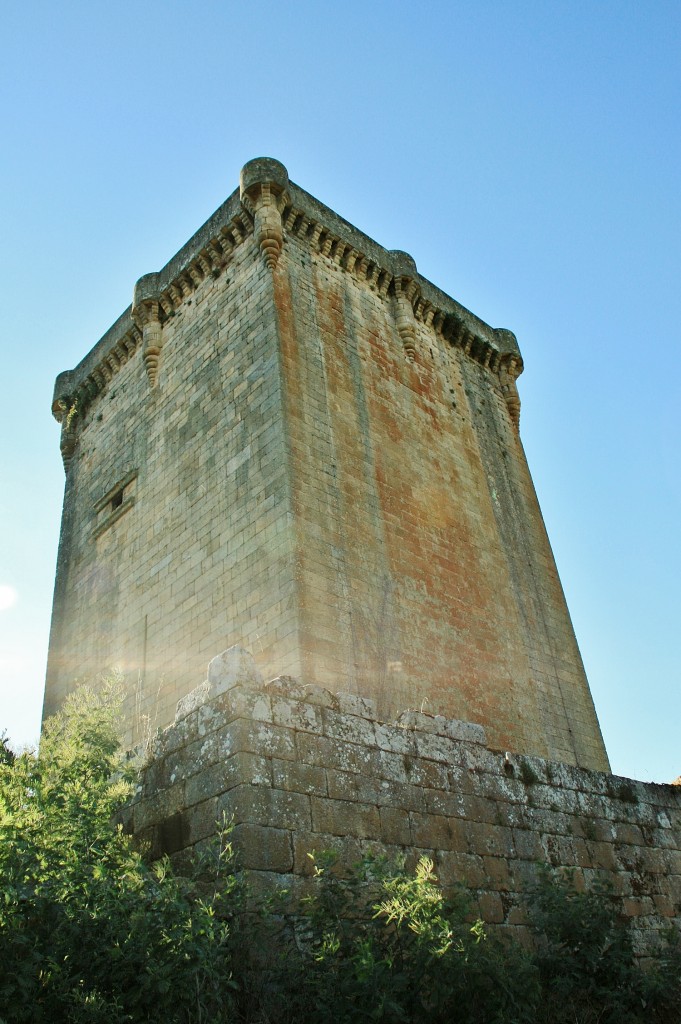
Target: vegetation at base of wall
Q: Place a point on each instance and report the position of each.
(91, 933)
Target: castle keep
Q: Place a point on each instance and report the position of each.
(293, 441)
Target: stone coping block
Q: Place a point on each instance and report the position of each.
(234, 667)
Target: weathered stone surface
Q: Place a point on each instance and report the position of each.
(298, 777)
(262, 848)
(297, 714)
(294, 444)
(353, 704)
(193, 700)
(345, 818)
(287, 784)
(441, 726)
(234, 667)
(263, 806)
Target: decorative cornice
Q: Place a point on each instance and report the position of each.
(271, 207)
(394, 274)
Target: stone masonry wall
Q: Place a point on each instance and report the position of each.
(199, 549)
(299, 769)
(418, 536)
(295, 441)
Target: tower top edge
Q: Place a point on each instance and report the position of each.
(235, 212)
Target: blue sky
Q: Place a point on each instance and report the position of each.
(525, 153)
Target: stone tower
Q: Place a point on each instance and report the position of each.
(293, 441)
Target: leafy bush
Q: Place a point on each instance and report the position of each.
(382, 944)
(589, 973)
(90, 933)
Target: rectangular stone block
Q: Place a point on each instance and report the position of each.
(202, 820)
(259, 805)
(262, 738)
(477, 808)
(395, 739)
(348, 728)
(491, 840)
(333, 753)
(427, 774)
(261, 848)
(354, 704)
(236, 770)
(627, 833)
(456, 868)
(497, 874)
(236, 703)
(296, 714)
(308, 848)
(353, 787)
(491, 907)
(395, 826)
(469, 732)
(395, 767)
(528, 845)
(298, 777)
(401, 794)
(345, 818)
(479, 759)
(436, 832)
(158, 807)
(444, 803)
(437, 748)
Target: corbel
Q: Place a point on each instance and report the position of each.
(315, 235)
(290, 219)
(439, 322)
(360, 267)
(227, 242)
(339, 252)
(65, 409)
(263, 184)
(195, 273)
(216, 254)
(146, 312)
(67, 442)
(406, 293)
(509, 367)
(508, 374)
(384, 281)
(350, 258)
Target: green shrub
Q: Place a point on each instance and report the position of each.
(586, 962)
(386, 945)
(89, 932)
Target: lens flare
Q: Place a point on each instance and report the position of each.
(8, 596)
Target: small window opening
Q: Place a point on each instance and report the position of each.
(114, 503)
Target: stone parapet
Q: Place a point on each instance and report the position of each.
(299, 769)
(272, 207)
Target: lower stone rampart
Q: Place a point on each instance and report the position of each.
(299, 769)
